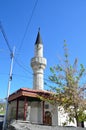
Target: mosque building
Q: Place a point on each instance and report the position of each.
(26, 104)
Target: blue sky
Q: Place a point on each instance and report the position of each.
(58, 20)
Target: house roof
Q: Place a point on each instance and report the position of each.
(26, 92)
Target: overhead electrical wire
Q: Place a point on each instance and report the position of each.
(5, 37)
(22, 76)
(22, 41)
(18, 62)
(29, 21)
(22, 66)
(9, 47)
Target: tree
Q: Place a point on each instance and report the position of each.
(68, 87)
(2, 108)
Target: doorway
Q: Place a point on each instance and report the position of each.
(48, 118)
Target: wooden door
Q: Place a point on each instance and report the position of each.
(48, 118)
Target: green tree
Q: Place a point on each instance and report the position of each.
(2, 108)
(68, 87)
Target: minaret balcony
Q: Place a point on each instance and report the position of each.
(38, 62)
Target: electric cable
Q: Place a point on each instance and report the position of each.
(22, 63)
(22, 41)
(29, 21)
(22, 66)
(5, 37)
(22, 76)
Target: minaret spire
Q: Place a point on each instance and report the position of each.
(38, 39)
(38, 64)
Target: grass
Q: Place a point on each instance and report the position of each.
(2, 112)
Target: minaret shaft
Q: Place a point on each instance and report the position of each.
(39, 50)
(38, 64)
(38, 80)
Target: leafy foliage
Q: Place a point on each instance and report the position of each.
(2, 107)
(69, 90)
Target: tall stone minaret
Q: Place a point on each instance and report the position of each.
(38, 64)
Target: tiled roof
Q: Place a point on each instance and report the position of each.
(35, 91)
(28, 93)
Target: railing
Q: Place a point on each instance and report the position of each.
(39, 60)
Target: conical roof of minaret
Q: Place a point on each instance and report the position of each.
(38, 39)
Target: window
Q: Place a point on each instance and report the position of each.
(46, 106)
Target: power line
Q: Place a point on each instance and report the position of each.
(33, 10)
(22, 63)
(22, 66)
(22, 41)
(5, 37)
(22, 76)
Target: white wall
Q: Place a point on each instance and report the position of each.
(63, 117)
(36, 113)
(54, 112)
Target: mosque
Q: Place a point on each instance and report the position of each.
(26, 104)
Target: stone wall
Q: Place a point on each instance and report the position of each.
(12, 110)
(21, 125)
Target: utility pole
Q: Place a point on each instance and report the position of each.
(8, 89)
(10, 75)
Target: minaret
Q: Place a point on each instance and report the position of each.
(38, 64)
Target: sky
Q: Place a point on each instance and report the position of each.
(58, 20)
